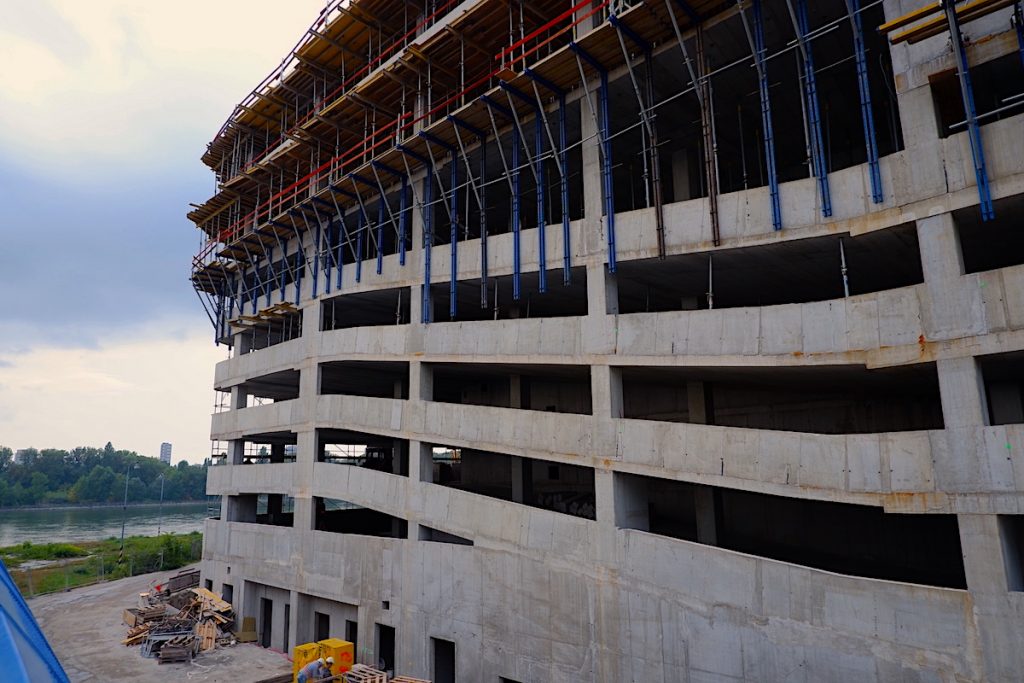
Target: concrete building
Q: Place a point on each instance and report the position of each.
(165, 452)
(646, 341)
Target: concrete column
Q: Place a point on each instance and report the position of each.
(515, 391)
(591, 171)
(630, 511)
(421, 461)
(239, 397)
(602, 291)
(962, 390)
(295, 600)
(518, 481)
(606, 391)
(236, 451)
(953, 307)
(697, 395)
(704, 507)
(277, 452)
(243, 343)
(421, 381)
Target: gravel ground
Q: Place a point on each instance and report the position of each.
(85, 630)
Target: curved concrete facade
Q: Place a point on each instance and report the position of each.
(545, 595)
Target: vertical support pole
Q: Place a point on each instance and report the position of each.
(538, 160)
(563, 156)
(316, 258)
(516, 256)
(428, 242)
(342, 238)
(453, 203)
(380, 234)
(482, 195)
(403, 220)
(864, 89)
(361, 223)
(284, 272)
(757, 47)
(967, 94)
(606, 168)
(328, 251)
(300, 255)
(801, 24)
(268, 286)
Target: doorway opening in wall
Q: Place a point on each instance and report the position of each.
(287, 624)
(352, 635)
(1003, 377)
(1011, 533)
(266, 621)
(321, 626)
(998, 243)
(227, 591)
(386, 648)
(444, 660)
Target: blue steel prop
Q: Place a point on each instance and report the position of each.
(428, 230)
(402, 207)
(453, 218)
(864, 90)
(604, 123)
(513, 176)
(479, 193)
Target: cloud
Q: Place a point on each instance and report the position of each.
(135, 394)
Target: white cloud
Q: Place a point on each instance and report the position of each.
(135, 394)
(120, 82)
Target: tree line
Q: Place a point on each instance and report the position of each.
(94, 475)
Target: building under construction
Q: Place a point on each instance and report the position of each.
(664, 340)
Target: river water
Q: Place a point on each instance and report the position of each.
(94, 524)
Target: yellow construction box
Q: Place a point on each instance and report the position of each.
(303, 655)
(342, 651)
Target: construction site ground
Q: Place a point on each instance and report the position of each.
(84, 627)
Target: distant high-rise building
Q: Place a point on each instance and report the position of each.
(165, 452)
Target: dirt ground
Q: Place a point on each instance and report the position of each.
(84, 627)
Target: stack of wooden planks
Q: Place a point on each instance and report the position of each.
(361, 673)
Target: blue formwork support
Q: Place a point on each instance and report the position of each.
(299, 257)
(563, 157)
(361, 223)
(316, 258)
(453, 220)
(1018, 20)
(402, 218)
(766, 115)
(284, 273)
(516, 190)
(604, 122)
(818, 162)
(483, 221)
(268, 287)
(380, 234)
(340, 248)
(428, 223)
(864, 89)
(973, 130)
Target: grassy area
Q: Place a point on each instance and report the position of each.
(90, 561)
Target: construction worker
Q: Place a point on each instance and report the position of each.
(318, 669)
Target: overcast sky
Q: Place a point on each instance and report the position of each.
(105, 109)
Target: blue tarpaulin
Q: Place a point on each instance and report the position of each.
(25, 654)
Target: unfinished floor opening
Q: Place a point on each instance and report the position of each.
(549, 388)
(342, 517)
(558, 487)
(377, 379)
(361, 449)
(365, 309)
(266, 448)
(272, 509)
(997, 243)
(848, 399)
(786, 272)
(1003, 377)
(496, 300)
(857, 540)
(266, 389)
(437, 536)
(997, 87)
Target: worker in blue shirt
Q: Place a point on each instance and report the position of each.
(316, 670)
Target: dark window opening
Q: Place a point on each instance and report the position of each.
(343, 517)
(227, 591)
(386, 648)
(272, 509)
(438, 536)
(520, 480)
(365, 309)
(208, 584)
(551, 388)
(273, 329)
(857, 540)
(474, 303)
(444, 660)
(787, 272)
(820, 400)
(322, 626)
(379, 379)
(1011, 532)
(270, 447)
(266, 621)
(266, 389)
(359, 449)
(287, 624)
(997, 243)
(997, 86)
(1003, 377)
(352, 634)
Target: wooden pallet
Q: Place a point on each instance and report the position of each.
(206, 635)
(360, 673)
(409, 679)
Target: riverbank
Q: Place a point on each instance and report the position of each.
(100, 506)
(39, 568)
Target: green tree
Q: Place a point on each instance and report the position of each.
(97, 486)
(6, 456)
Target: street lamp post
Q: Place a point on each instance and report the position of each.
(124, 509)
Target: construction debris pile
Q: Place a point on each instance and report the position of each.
(178, 620)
